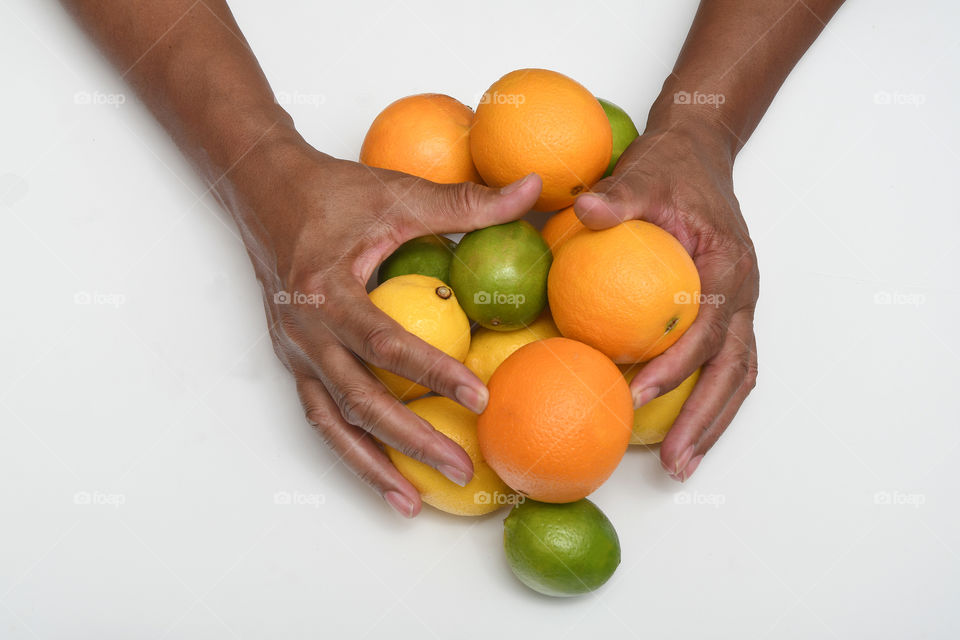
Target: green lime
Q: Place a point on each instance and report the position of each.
(624, 131)
(500, 275)
(428, 256)
(561, 549)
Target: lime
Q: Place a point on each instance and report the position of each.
(624, 131)
(428, 256)
(500, 275)
(561, 549)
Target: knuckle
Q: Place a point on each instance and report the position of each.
(621, 191)
(745, 262)
(357, 406)
(715, 333)
(367, 475)
(440, 375)
(464, 196)
(752, 373)
(414, 450)
(419, 446)
(309, 282)
(737, 367)
(315, 417)
(381, 344)
(321, 423)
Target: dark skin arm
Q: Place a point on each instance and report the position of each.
(679, 175)
(314, 224)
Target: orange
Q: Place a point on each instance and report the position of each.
(559, 227)
(558, 420)
(535, 120)
(629, 291)
(426, 135)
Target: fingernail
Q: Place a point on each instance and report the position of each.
(644, 396)
(681, 465)
(453, 474)
(691, 467)
(471, 398)
(513, 186)
(400, 502)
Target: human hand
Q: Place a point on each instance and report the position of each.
(681, 179)
(317, 233)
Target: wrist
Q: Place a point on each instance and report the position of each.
(266, 192)
(229, 134)
(696, 115)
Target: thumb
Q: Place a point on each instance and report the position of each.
(450, 208)
(616, 199)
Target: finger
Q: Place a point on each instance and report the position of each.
(365, 403)
(450, 208)
(720, 425)
(356, 448)
(622, 196)
(719, 382)
(698, 344)
(381, 341)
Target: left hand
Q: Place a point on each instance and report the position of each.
(681, 179)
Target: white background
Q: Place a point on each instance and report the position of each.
(135, 371)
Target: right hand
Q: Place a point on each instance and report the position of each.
(316, 229)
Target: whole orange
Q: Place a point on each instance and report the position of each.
(558, 420)
(426, 135)
(559, 227)
(630, 290)
(535, 120)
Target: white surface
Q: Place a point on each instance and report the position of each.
(163, 392)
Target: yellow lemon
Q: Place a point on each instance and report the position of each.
(652, 421)
(428, 309)
(484, 493)
(489, 348)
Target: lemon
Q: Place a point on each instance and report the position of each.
(428, 309)
(484, 493)
(561, 549)
(652, 421)
(489, 348)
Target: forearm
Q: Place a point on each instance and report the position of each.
(191, 66)
(734, 60)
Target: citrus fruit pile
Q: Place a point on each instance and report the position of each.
(555, 323)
